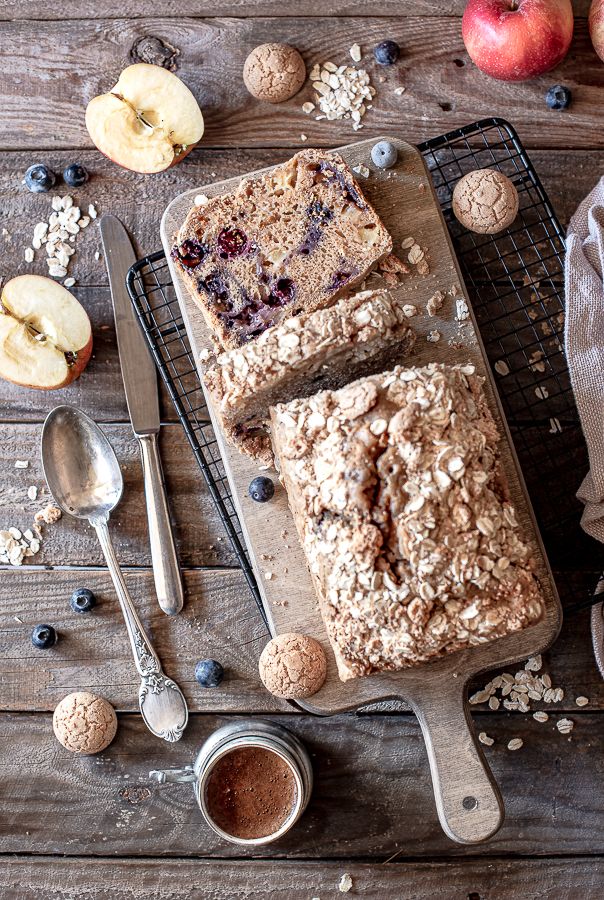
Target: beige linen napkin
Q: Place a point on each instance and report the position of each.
(584, 337)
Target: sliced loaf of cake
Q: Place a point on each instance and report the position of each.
(359, 335)
(289, 241)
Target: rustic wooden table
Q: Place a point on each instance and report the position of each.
(87, 827)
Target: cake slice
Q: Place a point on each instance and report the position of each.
(403, 510)
(288, 241)
(359, 335)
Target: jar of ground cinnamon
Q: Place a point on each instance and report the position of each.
(252, 781)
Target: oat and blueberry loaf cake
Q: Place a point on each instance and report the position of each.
(289, 241)
(327, 348)
(403, 510)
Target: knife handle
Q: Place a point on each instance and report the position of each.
(166, 571)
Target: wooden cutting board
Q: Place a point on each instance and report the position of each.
(468, 801)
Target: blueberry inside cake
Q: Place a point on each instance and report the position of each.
(358, 335)
(403, 509)
(289, 241)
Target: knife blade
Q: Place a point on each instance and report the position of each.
(140, 385)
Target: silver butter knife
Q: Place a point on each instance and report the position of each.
(140, 383)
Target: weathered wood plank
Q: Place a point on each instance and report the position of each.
(94, 652)
(200, 535)
(14, 10)
(372, 795)
(443, 90)
(28, 878)
(219, 620)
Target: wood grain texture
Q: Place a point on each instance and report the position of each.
(443, 89)
(35, 680)
(566, 174)
(372, 796)
(200, 535)
(27, 878)
(219, 620)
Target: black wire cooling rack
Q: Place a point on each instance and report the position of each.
(515, 283)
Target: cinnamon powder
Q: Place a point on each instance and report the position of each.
(251, 792)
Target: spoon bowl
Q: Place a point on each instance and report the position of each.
(85, 479)
(80, 466)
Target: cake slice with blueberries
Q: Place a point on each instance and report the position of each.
(289, 241)
(327, 348)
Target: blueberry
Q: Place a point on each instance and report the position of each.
(209, 673)
(386, 53)
(82, 600)
(261, 489)
(558, 97)
(43, 637)
(75, 175)
(39, 179)
(191, 253)
(384, 154)
(231, 242)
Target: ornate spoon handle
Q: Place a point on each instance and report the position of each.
(145, 657)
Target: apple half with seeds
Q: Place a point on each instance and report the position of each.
(45, 334)
(147, 122)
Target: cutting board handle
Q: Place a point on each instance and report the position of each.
(468, 800)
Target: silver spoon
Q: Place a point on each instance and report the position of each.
(85, 479)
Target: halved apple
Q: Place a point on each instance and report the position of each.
(147, 122)
(45, 334)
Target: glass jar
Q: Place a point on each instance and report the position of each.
(247, 734)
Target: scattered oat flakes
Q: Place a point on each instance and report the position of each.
(501, 367)
(343, 92)
(21, 464)
(345, 883)
(433, 336)
(399, 90)
(582, 701)
(484, 738)
(461, 308)
(269, 576)
(408, 243)
(540, 716)
(534, 663)
(308, 107)
(565, 726)
(515, 744)
(69, 282)
(355, 53)
(32, 492)
(361, 170)
(303, 137)
(541, 392)
(97, 255)
(494, 703)
(554, 426)
(29, 254)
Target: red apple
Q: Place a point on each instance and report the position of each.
(596, 26)
(45, 334)
(517, 39)
(147, 122)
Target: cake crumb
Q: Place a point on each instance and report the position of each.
(49, 515)
(433, 336)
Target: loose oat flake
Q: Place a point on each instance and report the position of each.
(515, 744)
(582, 701)
(484, 738)
(565, 726)
(345, 883)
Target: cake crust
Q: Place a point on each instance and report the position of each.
(327, 348)
(288, 241)
(403, 510)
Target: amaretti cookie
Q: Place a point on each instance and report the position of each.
(359, 335)
(288, 241)
(403, 510)
(485, 201)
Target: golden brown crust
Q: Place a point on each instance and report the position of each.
(402, 507)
